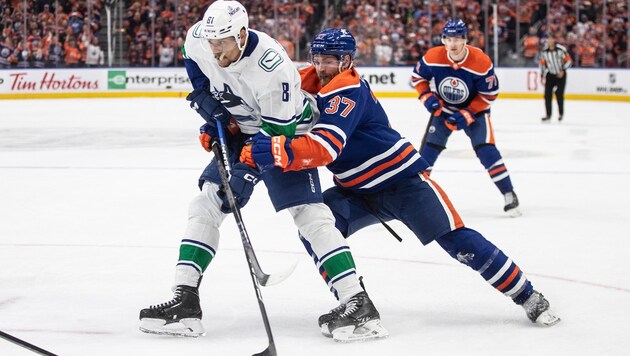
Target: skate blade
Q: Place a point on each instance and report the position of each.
(547, 318)
(326, 331)
(185, 327)
(369, 331)
(514, 213)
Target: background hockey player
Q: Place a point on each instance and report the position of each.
(378, 175)
(244, 74)
(465, 86)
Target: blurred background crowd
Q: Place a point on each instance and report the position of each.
(150, 33)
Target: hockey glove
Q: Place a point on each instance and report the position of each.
(207, 106)
(431, 102)
(242, 182)
(459, 119)
(267, 152)
(207, 132)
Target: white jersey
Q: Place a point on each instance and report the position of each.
(261, 90)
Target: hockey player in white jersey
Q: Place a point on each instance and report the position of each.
(245, 76)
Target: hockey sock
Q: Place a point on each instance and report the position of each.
(328, 248)
(493, 162)
(322, 272)
(430, 153)
(472, 249)
(201, 239)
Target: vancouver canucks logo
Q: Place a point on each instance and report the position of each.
(197, 31)
(453, 90)
(231, 100)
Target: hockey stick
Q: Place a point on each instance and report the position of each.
(26, 345)
(263, 278)
(223, 164)
(426, 132)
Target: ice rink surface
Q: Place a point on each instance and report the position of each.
(93, 204)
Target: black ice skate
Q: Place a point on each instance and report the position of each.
(511, 204)
(546, 119)
(181, 316)
(537, 309)
(357, 320)
(328, 317)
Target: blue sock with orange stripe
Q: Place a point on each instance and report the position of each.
(493, 163)
(472, 249)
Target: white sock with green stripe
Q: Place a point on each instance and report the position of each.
(317, 225)
(201, 239)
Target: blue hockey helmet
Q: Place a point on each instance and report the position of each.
(334, 41)
(455, 28)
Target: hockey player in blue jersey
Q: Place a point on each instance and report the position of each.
(465, 87)
(378, 176)
(246, 75)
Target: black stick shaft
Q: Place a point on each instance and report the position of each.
(25, 344)
(247, 246)
(426, 133)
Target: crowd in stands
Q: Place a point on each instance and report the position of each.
(48, 33)
(169, 20)
(400, 32)
(52, 33)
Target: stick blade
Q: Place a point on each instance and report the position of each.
(277, 277)
(269, 351)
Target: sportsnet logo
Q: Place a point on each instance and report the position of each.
(116, 79)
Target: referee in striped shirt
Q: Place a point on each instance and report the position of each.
(554, 61)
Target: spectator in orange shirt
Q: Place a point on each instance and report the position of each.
(73, 53)
(531, 47)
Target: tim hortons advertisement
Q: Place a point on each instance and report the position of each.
(27, 81)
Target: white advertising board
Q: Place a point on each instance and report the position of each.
(587, 84)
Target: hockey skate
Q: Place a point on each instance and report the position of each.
(545, 119)
(537, 309)
(357, 320)
(511, 204)
(181, 316)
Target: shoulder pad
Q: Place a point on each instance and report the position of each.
(310, 81)
(348, 79)
(477, 61)
(436, 55)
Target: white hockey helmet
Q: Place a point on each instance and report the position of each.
(224, 19)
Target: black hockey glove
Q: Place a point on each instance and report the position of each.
(242, 182)
(208, 107)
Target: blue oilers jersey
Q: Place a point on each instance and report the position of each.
(470, 83)
(353, 136)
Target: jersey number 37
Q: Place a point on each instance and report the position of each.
(337, 103)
